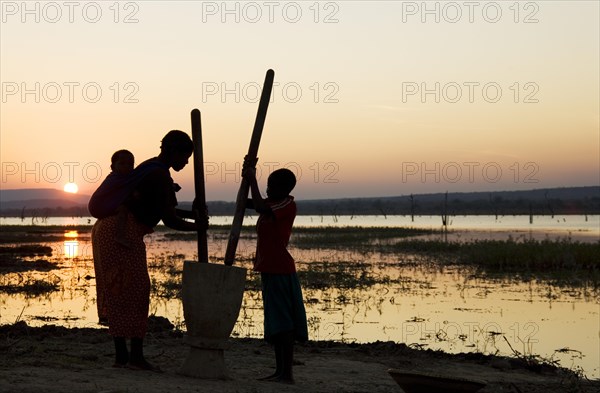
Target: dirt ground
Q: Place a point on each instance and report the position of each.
(57, 359)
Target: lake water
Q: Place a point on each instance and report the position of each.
(578, 225)
(428, 305)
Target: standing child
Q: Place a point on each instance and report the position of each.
(285, 317)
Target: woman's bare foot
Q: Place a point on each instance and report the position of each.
(143, 365)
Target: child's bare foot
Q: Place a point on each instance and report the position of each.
(269, 378)
(282, 379)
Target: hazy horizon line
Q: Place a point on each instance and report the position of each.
(66, 194)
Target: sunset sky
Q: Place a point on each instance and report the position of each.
(517, 86)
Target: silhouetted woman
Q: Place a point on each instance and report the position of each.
(124, 269)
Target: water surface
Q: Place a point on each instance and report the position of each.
(425, 305)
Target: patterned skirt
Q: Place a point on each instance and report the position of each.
(122, 280)
(283, 306)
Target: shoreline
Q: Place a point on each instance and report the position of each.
(80, 359)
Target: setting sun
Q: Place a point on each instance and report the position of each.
(71, 188)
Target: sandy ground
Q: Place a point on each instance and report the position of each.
(57, 359)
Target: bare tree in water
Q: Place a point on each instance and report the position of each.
(445, 213)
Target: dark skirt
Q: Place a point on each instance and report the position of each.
(283, 306)
(122, 281)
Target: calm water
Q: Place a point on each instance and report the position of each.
(575, 225)
(431, 307)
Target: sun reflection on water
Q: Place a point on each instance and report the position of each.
(71, 245)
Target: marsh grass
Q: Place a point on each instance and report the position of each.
(15, 264)
(26, 250)
(308, 237)
(367, 239)
(166, 270)
(15, 234)
(344, 275)
(347, 258)
(169, 288)
(30, 287)
(45, 229)
(562, 261)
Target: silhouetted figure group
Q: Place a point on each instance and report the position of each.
(131, 202)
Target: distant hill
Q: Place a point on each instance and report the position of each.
(567, 200)
(39, 198)
(48, 194)
(571, 200)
